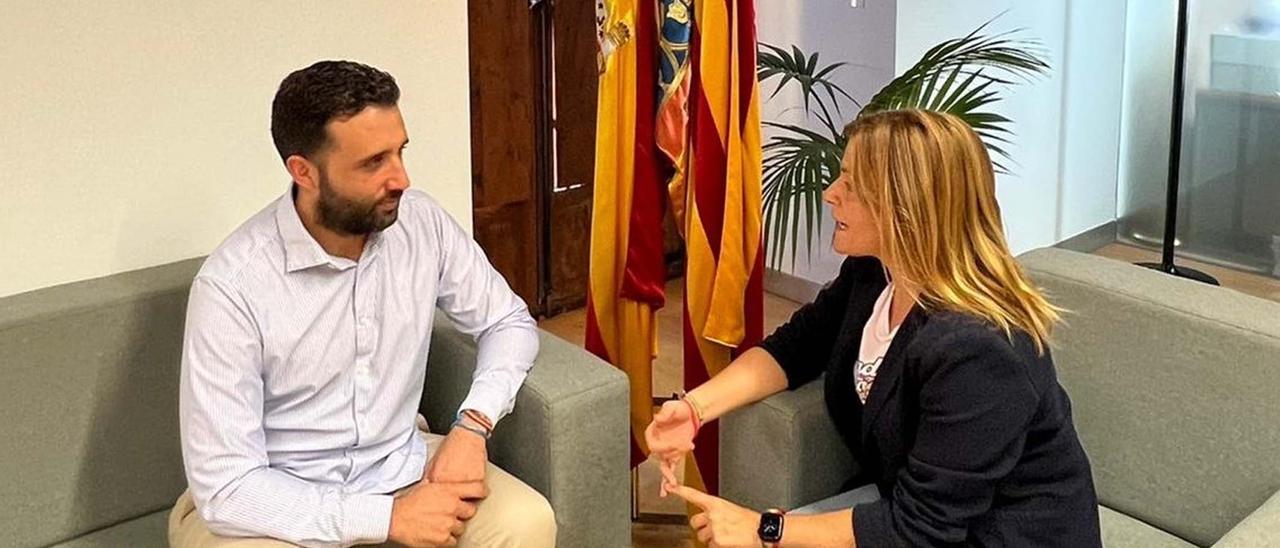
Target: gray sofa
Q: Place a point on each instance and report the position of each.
(89, 417)
(1175, 389)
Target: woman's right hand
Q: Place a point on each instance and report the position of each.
(670, 437)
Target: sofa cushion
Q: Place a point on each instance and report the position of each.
(90, 403)
(151, 530)
(1173, 386)
(1121, 531)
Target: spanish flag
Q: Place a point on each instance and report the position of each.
(627, 270)
(678, 122)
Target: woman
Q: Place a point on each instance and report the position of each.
(938, 373)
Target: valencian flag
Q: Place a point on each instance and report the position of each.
(678, 126)
(724, 277)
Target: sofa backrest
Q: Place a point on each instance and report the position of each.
(90, 403)
(1175, 389)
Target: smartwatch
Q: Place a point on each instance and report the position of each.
(771, 527)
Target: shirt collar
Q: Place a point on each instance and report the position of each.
(301, 251)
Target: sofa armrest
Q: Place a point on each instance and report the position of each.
(568, 437)
(783, 452)
(1260, 528)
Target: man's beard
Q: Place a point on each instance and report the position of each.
(351, 217)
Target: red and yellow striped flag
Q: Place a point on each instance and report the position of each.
(724, 288)
(715, 187)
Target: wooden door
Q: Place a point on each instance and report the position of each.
(505, 80)
(534, 75)
(573, 123)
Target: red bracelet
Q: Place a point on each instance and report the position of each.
(693, 413)
(478, 418)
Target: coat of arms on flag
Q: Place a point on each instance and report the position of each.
(678, 125)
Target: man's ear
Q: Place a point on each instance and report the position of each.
(305, 173)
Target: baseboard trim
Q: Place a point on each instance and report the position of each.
(789, 286)
(1090, 240)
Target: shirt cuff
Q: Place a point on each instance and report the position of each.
(478, 404)
(367, 519)
(484, 399)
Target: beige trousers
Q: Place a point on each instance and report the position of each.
(514, 515)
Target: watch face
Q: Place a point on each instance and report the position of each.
(771, 527)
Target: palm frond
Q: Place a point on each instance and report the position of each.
(959, 77)
(799, 163)
(820, 95)
(963, 76)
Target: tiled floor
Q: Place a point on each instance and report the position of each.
(667, 370)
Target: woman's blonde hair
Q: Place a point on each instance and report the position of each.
(928, 182)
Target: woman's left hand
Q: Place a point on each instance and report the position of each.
(722, 524)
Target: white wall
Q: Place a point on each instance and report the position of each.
(1066, 144)
(137, 133)
(1148, 100)
(1029, 196)
(862, 37)
(1067, 125)
(1093, 69)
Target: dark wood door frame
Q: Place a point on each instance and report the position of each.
(533, 136)
(505, 159)
(534, 75)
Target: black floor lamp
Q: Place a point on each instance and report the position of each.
(1166, 264)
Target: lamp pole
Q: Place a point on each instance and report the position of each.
(1166, 263)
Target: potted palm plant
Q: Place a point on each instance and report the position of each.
(962, 76)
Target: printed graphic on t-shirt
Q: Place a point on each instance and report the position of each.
(864, 373)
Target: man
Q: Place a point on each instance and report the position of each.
(306, 342)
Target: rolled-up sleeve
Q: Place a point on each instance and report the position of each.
(977, 400)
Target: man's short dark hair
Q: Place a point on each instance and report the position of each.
(309, 98)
